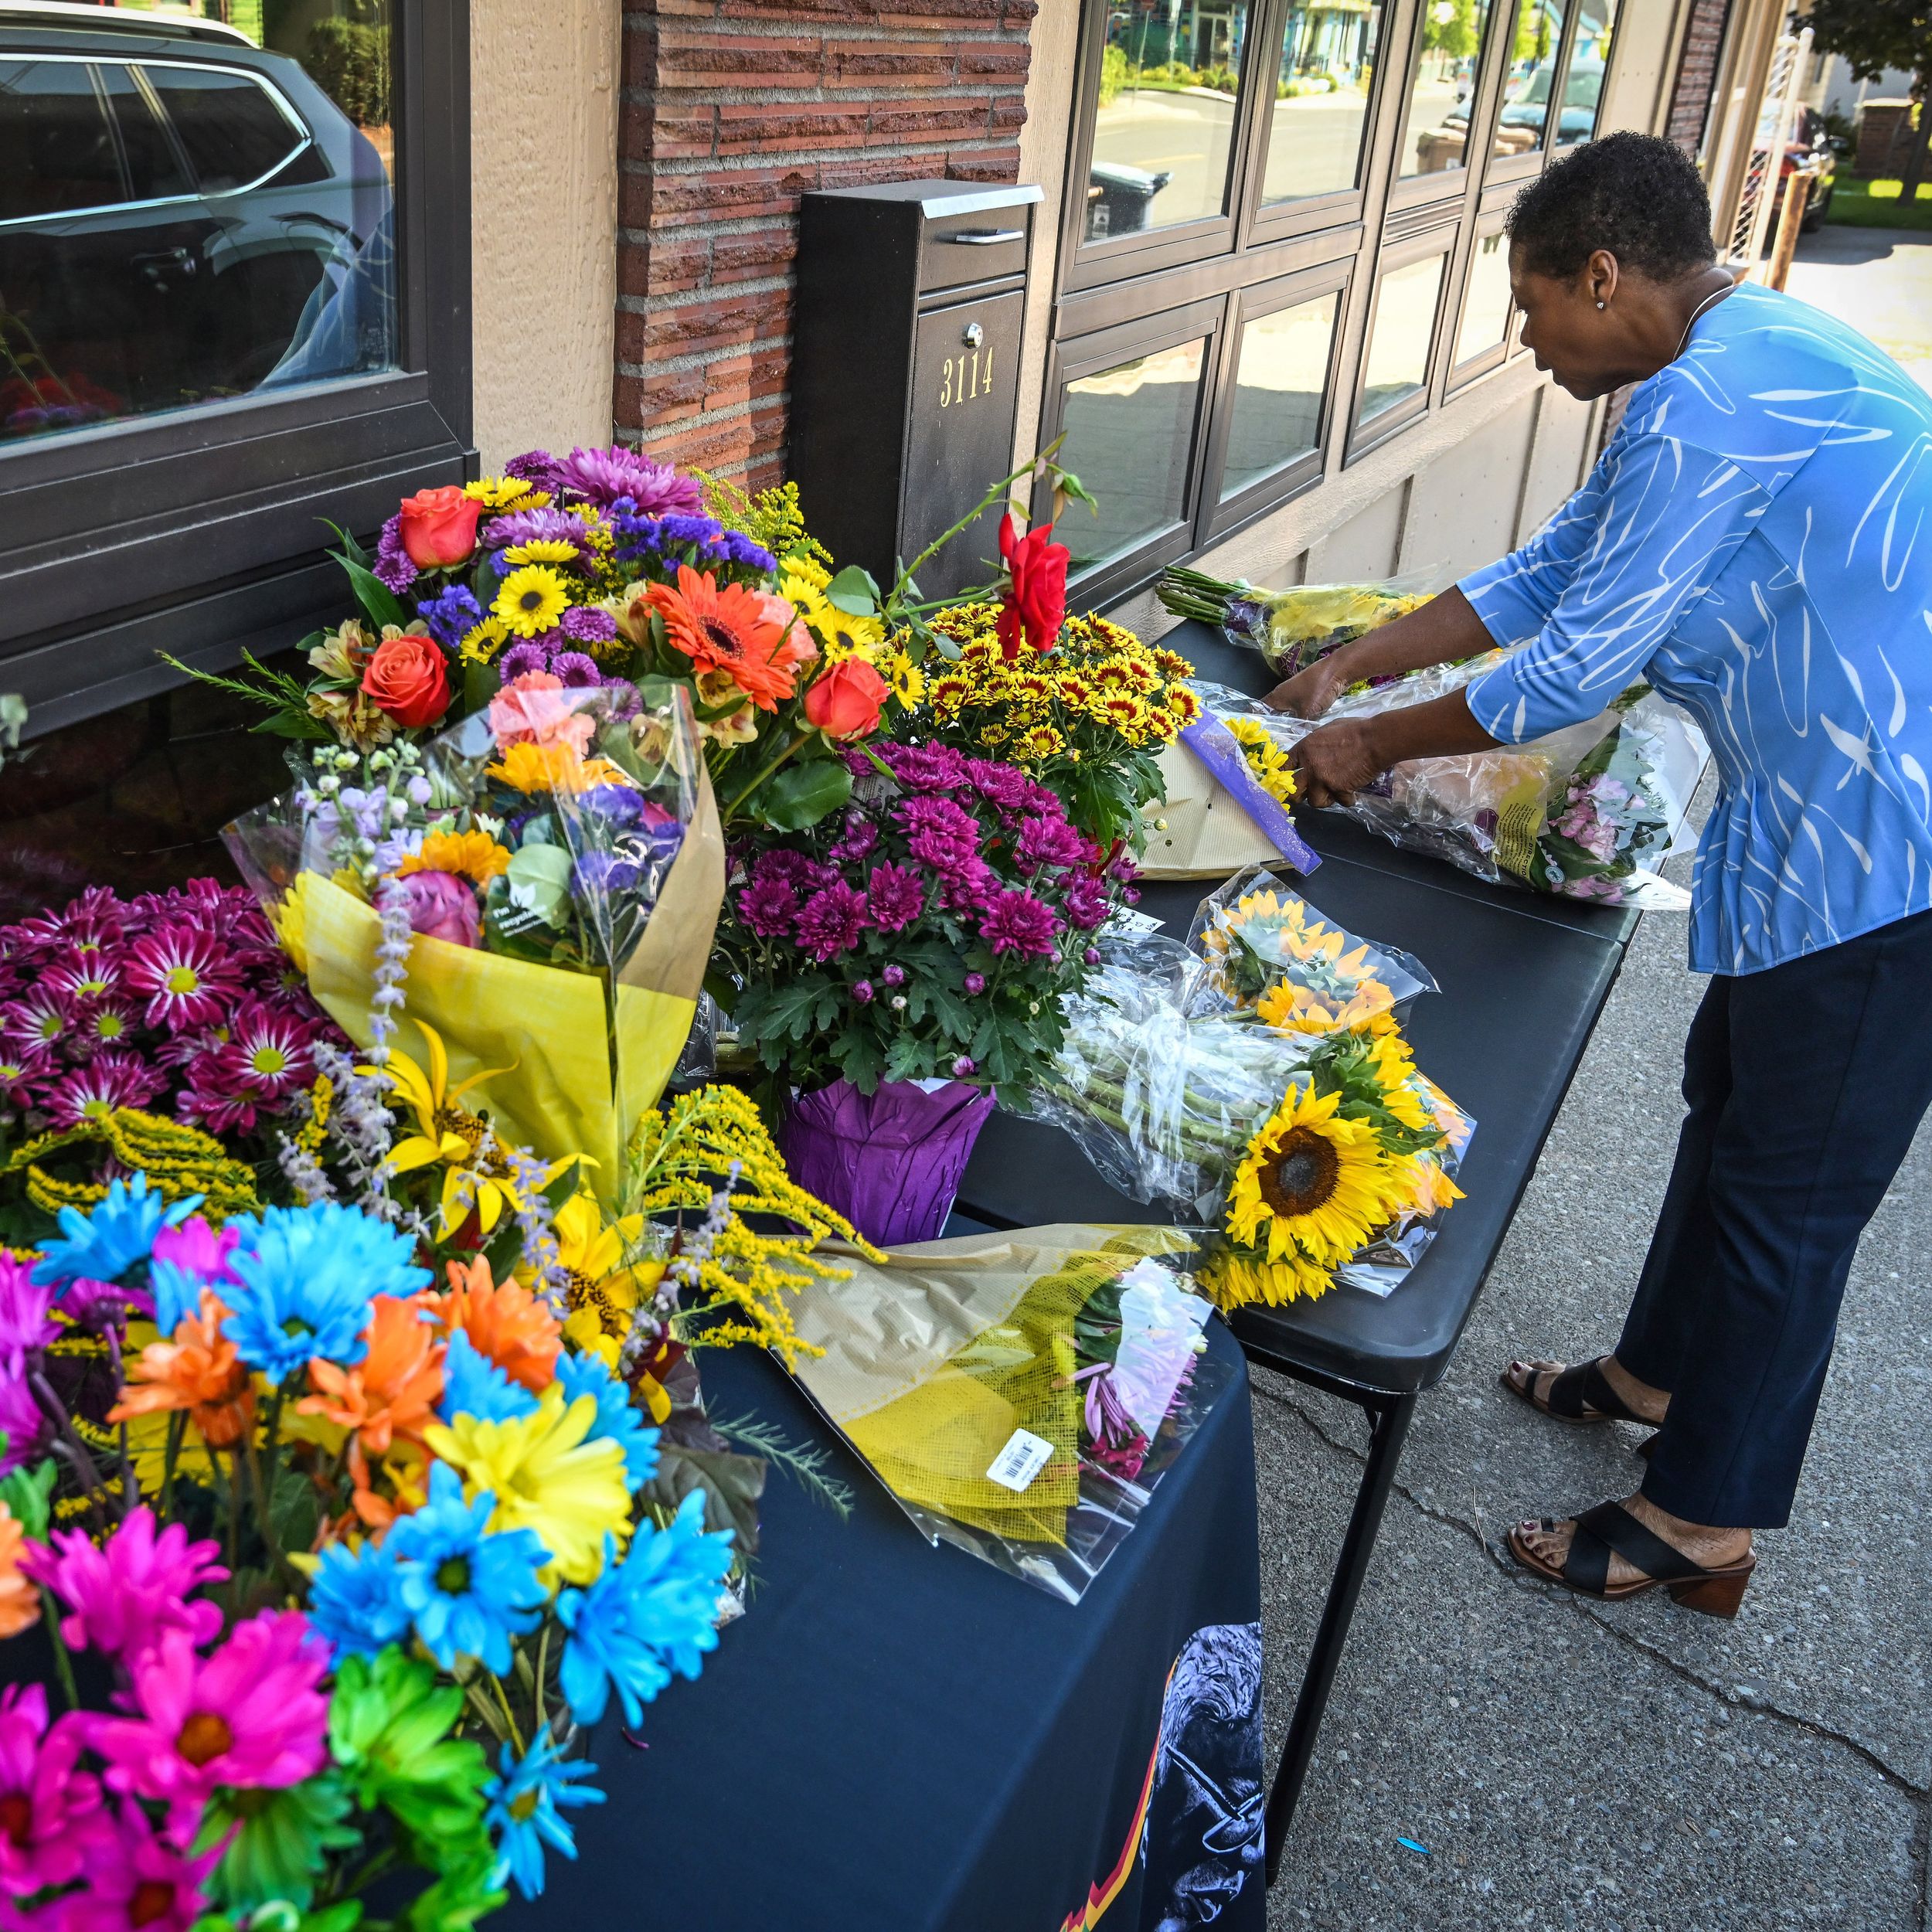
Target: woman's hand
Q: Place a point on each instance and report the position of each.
(1310, 691)
(1333, 764)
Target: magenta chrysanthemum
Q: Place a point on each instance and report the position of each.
(940, 833)
(1048, 841)
(138, 1878)
(894, 898)
(38, 1018)
(654, 489)
(926, 768)
(189, 978)
(1004, 786)
(832, 921)
(52, 1819)
(249, 1713)
(106, 1084)
(1016, 921)
(1085, 901)
(126, 1594)
(25, 1323)
(768, 907)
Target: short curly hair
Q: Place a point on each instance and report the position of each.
(1640, 198)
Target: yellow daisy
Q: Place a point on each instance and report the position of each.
(908, 682)
(1266, 758)
(1312, 1180)
(475, 855)
(541, 550)
(501, 492)
(531, 600)
(481, 644)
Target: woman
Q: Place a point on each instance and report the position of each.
(1756, 541)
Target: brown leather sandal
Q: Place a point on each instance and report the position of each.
(1581, 1394)
(1609, 1527)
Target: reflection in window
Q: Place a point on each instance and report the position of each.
(1279, 382)
(1435, 127)
(1485, 306)
(192, 224)
(1165, 128)
(1400, 332)
(1588, 62)
(1130, 433)
(1321, 99)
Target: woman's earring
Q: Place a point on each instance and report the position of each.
(1601, 305)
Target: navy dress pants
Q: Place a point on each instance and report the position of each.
(1806, 1083)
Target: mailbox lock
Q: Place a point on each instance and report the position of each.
(974, 335)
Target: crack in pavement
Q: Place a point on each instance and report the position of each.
(1511, 1573)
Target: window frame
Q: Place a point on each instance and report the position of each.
(1490, 219)
(199, 531)
(1418, 196)
(1104, 348)
(1444, 239)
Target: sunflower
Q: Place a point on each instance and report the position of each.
(1311, 1180)
(481, 642)
(1298, 1009)
(541, 550)
(748, 633)
(1235, 1278)
(1426, 1188)
(1266, 760)
(473, 855)
(908, 682)
(531, 600)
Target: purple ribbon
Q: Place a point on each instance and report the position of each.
(1215, 746)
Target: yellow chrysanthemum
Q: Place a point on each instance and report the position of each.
(1041, 741)
(1235, 1279)
(1266, 760)
(546, 1477)
(528, 767)
(531, 600)
(544, 550)
(947, 692)
(1312, 1180)
(475, 855)
(501, 492)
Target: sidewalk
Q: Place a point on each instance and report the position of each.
(1880, 280)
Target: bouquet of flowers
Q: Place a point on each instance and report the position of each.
(1087, 719)
(1290, 628)
(1590, 812)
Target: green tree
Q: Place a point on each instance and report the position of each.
(1874, 34)
(1449, 27)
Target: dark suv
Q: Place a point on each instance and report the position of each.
(183, 217)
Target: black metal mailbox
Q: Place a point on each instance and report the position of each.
(905, 371)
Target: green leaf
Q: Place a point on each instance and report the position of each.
(282, 1839)
(480, 683)
(801, 795)
(464, 1890)
(26, 1492)
(540, 881)
(732, 1486)
(351, 549)
(380, 603)
(293, 724)
(854, 592)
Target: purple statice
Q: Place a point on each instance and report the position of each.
(895, 897)
(832, 921)
(451, 615)
(1084, 901)
(537, 468)
(545, 525)
(654, 489)
(583, 624)
(1016, 921)
(856, 840)
(1047, 841)
(613, 804)
(768, 907)
(940, 834)
(926, 768)
(394, 568)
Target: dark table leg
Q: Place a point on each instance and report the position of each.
(1389, 1427)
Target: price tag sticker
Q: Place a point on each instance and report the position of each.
(1022, 1459)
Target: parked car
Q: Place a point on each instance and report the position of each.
(179, 211)
(1811, 146)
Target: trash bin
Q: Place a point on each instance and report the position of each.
(1125, 194)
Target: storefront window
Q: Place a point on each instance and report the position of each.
(1588, 62)
(1532, 67)
(1279, 382)
(192, 216)
(1164, 133)
(1400, 335)
(1485, 304)
(1130, 438)
(1321, 106)
(1435, 127)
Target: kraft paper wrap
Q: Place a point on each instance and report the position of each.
(933, 1360)
(547, 1026)
(1208, 835)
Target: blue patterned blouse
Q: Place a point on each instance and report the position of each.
(1756, 542)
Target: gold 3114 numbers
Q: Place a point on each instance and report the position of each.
(966, 375)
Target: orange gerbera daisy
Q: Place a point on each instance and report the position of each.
(748, 633)
(406, 1468)
(515, 1328)
(19, 1598)
(200, 1371)
(392, 1391)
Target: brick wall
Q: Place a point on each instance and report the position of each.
(730, 111)
(1696, 73)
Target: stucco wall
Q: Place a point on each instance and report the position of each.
(543, 77)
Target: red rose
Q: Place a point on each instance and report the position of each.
(1033, 605)
(405, 679)
(438, 527)
(845, 701)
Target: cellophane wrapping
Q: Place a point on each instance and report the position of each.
(1591, 812)
(1019, 1395)
(1293, 628)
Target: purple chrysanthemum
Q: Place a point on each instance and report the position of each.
(857, 840)
(654, 489)
(1047, 841)
(1084, 901)
(940, 834)
(794, 868)
(1016, 921)
(531, 654)
(576, 672)
(394, 568)
(107, 1083)
(1004, 786)
(583, 624)
(895, 897)
(545, 525)
(538, 467)
(768, 907)
(927, 768)
(832, 921)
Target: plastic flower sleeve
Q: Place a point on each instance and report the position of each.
(1590, 812)
(1019, 1395)
(1292, 628)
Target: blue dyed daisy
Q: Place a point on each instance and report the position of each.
(467, 1592)
(653, 1614)
(353, 1602)
(618, 1419)
(473, 1384)
(306, 1277)
(102, 1244)
(526, 1802)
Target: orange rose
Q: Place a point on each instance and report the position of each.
(405, 679)
(845, 701)
(438, 527)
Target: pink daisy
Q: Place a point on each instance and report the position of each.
(107, 1081)
(23, 1071)
(83, 977)
(189, 976)
(51, 1820)
(137, 1882)
(124, 1596)
(25, 1324)
(249, 1713)
(265, 1059)
(37, 1018)
(105, 1022)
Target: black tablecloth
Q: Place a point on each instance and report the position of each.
(899, 1736)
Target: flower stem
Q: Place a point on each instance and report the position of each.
(516, 1736)
(177, 1429)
